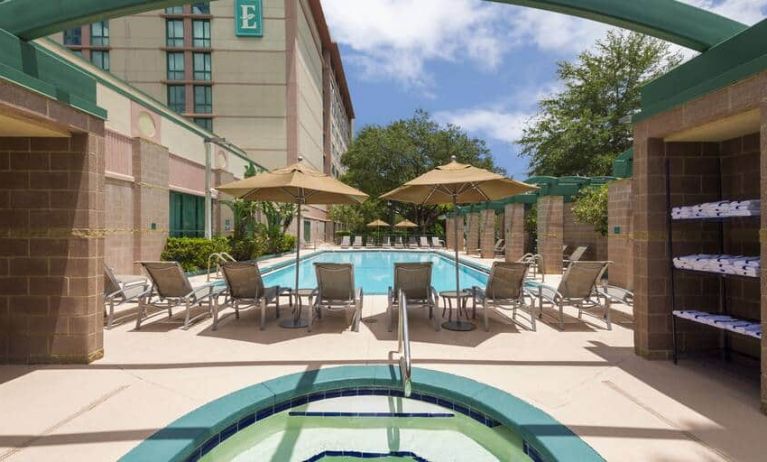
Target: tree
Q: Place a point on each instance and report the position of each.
(591, 207)
(581, 129)
(382, 158)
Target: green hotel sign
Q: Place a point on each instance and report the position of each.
(249, 18)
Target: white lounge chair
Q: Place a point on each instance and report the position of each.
(345, 242)
(414, 279)
(387, 243)
(425, 242)
(357, 242)
(399, 244)
(119, 289)
(505, 287)
(437, 243)
(412, 243)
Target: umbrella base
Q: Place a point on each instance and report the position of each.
(294, 324)
(461, 326)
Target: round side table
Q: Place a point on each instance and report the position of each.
(461, 300)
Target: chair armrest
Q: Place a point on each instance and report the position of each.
(434, 295)
(358, 293)
(211, 287)
(478, 293)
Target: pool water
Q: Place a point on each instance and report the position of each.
(356, 428)
(374, 270)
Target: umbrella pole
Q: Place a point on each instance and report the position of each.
(296, 322)
(455, 239)
(458, 324)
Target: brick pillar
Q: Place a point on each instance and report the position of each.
(52, 248)
(449, 233)
(487, 234)
(550, 232)
(514, 218)
(472, 235)
(150, 200)
(620, 241)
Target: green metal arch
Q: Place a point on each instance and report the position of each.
(666, 19)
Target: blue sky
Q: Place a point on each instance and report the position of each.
(478, 64)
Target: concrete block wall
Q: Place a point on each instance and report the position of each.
(620, 235)
(514, 231)
(150, 200)
(550, 232)
(52, 248)
(575, 234)
(472, 233)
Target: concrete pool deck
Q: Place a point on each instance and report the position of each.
(588, 378)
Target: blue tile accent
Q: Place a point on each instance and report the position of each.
(210, 444)
(264, 413)
(371, 414)
(228, 431)
(246, 421)
(194, 457)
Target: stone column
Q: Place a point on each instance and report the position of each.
(514, 217)
(620, 244)
(487, 234)
(472, 235)
(52, 248)
(763, 253)
(150, 200)
(449, 233)
(550, 232)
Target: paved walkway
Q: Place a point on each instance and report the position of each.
(587, 377)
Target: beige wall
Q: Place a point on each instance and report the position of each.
(309, 66)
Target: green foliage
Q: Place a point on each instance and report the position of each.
(279, 216)
(591, 207)
(249, 248)
(193, 252)
(244, 213)
(581, 129)
(382, 158)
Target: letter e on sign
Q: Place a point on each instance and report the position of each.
(249, 18)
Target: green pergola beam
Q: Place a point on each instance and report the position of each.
(669, 20)
(666, 19)
(31, 19)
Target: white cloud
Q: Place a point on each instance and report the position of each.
(492, 123)
(393, 39)
(746, 11)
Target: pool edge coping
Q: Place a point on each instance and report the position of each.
(180, 439)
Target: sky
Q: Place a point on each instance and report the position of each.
(477, 64)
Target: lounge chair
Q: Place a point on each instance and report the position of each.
(245, 289)
(345, 242)
(437, 243)
(414, 279)
(576, 255)
(412, 243)
(357, 242)
(500, 247)
(387, 243)
(505, 287)
(618, 295)
(335, 290)
(171, 288)
(578, 288)
(535, 265)
(424, 242)
(119, 289)
(399, 244)
(371, 243)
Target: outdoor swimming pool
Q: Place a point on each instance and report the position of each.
(374, 270)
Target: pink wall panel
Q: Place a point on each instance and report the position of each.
(119, 154)
(186, 175)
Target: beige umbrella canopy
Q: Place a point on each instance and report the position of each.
(456, 183)
(297, 184)
(406, 224)
(377, 223)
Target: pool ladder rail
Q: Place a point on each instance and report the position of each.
(403, 346)
(217, 259)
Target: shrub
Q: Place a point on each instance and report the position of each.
(193, 252)
(591, 207)
(248, 249)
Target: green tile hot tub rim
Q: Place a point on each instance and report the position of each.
(179, 439)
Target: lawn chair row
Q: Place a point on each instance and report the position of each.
(423, 243)
(507, 289)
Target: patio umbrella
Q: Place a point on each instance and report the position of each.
(377, 224)
(405, 224)
(456, 183)
(298, 184)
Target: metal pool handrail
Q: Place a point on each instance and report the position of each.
(220, 257)
(403, 346)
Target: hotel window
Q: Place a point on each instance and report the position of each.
(73, 37)
(201, 33)
(187, 215)
(176, 66)
(100, 58)
(201, 8)
(177, 98)
(206, 123)
(100, 34)
(203, 99)
(202, 66)
(175, 33)
(174, 10)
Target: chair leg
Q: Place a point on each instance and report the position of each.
(277, 300)
(263, 313)
(111, 313)
(215, 317)
(141, 308)
(484, 315)
(356, 319)
(186, 317)
(390, 312)
(561, 316)
(532, 315)
(607, 314)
